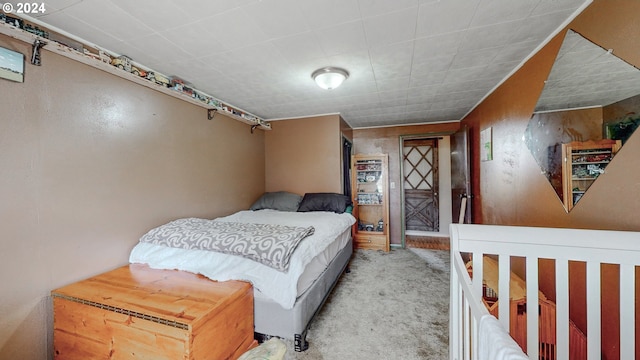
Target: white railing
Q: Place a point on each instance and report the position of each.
(593, 247)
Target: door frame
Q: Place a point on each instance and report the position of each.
(345, 166)
(432, 135)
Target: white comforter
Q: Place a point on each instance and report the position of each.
(279, 286)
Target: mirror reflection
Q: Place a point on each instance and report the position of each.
(588, 108)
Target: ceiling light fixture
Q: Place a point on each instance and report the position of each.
(330, 77)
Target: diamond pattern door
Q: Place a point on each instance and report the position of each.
(420, 172)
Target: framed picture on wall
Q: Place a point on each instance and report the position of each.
(486, 145)
(11, 65)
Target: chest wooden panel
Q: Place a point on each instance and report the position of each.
(135, 312)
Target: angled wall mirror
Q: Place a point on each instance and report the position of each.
(588, 108)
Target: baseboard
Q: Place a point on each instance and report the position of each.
(427, 242)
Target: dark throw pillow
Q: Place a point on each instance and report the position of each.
(279, 200)
(332, 202)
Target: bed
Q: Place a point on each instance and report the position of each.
(290, 283)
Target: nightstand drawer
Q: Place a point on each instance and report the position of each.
(370, 241)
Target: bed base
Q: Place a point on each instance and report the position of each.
(271, 319)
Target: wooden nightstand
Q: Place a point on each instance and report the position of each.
(138, 312)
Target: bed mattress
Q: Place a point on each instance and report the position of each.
(309, 260)
(317, 265)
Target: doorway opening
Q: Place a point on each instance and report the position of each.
(347, 146)
(426, 188)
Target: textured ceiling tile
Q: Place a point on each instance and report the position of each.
(75, 26)
(595, 84)
(391, 71)
(197, 9)
(490, 36)
(342, 38)
(535, 28)
(549, 6)
(436, 64)
(159, 48)
(499, 70)
(393, 84)
(276, 18)
(391, 28)
(394, 96)
(299, 47)
(473, 59)
(164, 14)
(439, 45)
(235, 29)
(444, 17)
(409, 60)
(428, 79)
(195, 39)
(98, 15)
(516, 52)
(398, 53)
(392, 102)
(504, 10)
(57, 4)
(319, 14)
(423, 92)
(370, 8)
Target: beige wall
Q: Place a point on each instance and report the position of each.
(304, 155)
(89, 163)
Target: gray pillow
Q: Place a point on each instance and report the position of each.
(279, 200)
(332, 202)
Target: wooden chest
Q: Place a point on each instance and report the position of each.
(135, 312)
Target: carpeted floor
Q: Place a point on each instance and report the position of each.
(390, 306)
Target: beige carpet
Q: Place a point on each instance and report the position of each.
(390, 306)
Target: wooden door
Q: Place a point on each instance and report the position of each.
(420, 176)
(460, 175)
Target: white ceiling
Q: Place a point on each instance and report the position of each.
(586, 75)
(410, 61)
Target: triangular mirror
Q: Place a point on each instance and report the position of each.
(591, 104)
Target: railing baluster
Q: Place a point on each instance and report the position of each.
(627, 311)
(532, 307)
(454, 293)
(562, 309)
(593, 311)
(478, 274)
(461, 323)
(474, 337)
(504, 278)
(467, 333)
(478, 279)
